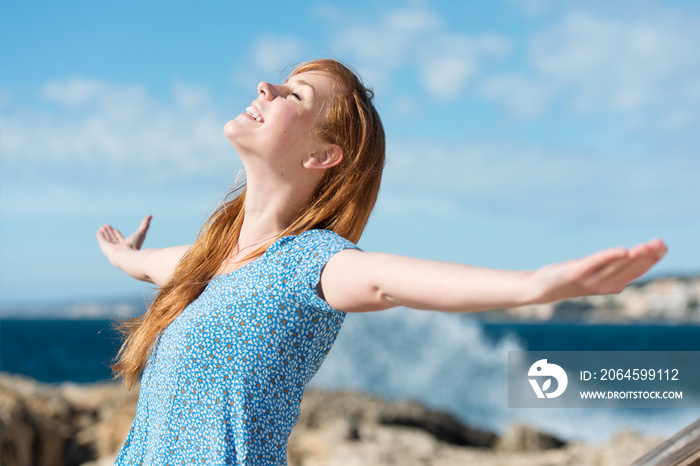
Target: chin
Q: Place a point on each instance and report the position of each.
(230, 127)
(231, 130)
(235, 135)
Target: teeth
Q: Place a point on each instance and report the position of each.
(254, 113)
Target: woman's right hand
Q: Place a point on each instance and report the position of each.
(149, 265)
(112, 241)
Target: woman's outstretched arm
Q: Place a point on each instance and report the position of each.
(356, 281)
(150, 265)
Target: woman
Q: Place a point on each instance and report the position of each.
(246, 314)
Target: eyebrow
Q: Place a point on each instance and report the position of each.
(303, 83)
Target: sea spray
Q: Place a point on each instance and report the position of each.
(445, 361)
(449, 362)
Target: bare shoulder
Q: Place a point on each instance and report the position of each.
(346, 257)
(348, 284)
(352, 264)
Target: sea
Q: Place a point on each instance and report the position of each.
(455, 363)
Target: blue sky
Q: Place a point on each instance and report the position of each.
(519, 133)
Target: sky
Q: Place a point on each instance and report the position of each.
(518, 133)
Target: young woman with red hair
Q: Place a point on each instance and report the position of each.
(245, 315)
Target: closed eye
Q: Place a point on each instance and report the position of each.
(293, 94)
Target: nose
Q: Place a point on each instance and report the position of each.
(266, 90)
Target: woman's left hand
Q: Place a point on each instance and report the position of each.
(604, 272)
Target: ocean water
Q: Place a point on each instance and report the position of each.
(58, 350)
(450, 362)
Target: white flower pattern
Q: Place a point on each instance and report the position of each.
(224, 383)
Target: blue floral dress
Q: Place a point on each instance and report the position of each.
(225, 381)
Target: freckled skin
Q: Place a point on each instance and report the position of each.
(285, 135)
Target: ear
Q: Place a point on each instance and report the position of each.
(326, 157)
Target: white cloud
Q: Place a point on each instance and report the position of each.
(445, 61)
(57, 198)
(531, 179)
(526, 98)
(449, 62)
(270, 58)
(406, 107)
(102, 129)
(272, 54)
(417, 202)
(645, 62)
(531, 8)
(81, 92)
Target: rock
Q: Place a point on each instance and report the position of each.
(628, 445)
(72, 424)
(61, 425)
(350, 428)
(320, 407)
(104, 413)
(35, 426)
(441, 425)
(522, 438)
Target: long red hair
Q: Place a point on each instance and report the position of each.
(342, 203)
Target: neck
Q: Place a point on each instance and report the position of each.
(272, 204)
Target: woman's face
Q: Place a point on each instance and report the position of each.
(280, 125)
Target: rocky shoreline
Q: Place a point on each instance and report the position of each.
(71, 424)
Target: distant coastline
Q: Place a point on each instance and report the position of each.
(105, 309)
(664, 300)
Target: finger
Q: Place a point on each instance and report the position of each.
(105, 238)
(101, 233)
(612, 278)
(647, 254)
(597, 261)
(645, 257)
(139, 235)
(114, 235)
(118, 235)
(642, 250)
(631, 272)
(659, 244)
(654, 247)
(105, 232)
(616, 277)
(108, 233)
(145, 223)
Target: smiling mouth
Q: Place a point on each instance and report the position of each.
(253, 112)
